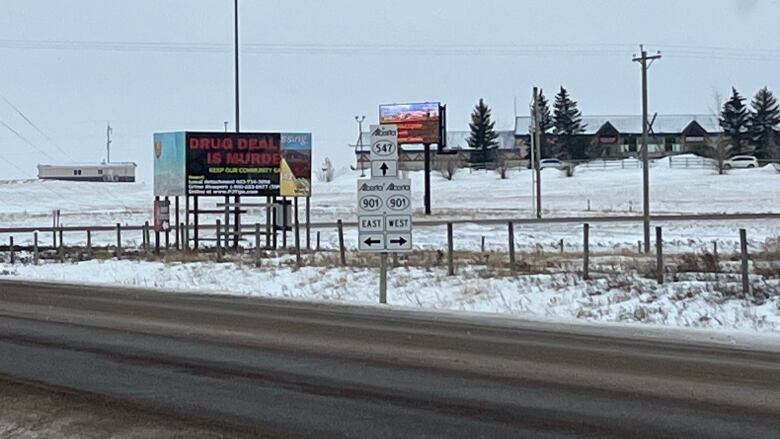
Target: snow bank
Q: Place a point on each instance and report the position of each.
(626, 298)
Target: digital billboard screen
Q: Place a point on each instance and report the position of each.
(233, 163)
(418, 123)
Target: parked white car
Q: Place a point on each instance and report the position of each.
(741, 161)
(551, 163)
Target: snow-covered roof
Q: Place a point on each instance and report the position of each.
(632, 124)
(88, 165)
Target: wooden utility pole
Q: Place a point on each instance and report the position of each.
(538, 155)
(645, 61)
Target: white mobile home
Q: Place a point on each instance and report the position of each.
(107, 172)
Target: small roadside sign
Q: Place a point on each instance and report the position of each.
(384, 143)
(384, 214)
(384, 168)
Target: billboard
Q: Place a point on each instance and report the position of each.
(295, 169)
(418, 123)
(219, 164)
(233, 163)
(169, 165)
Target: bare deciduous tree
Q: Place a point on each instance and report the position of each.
(448, 165)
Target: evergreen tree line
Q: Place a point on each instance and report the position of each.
(752, 130)
(564, 122)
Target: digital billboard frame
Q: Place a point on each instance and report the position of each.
(422, 123)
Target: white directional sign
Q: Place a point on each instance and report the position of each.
(384, 214)
(384, 168)
(384, 143)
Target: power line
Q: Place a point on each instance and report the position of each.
(30, 122)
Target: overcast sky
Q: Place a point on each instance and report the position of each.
(312, 65)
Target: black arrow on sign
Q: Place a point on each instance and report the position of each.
(384, 169)
(370, 241)
(399, 241)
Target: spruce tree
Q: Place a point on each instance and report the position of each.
(483, 138)
(763, 123)
(567, 119)
(545, 117)
(567, 123)
(734, 119)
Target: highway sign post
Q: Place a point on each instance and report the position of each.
(384, 203)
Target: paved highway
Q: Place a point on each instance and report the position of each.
(319, 370)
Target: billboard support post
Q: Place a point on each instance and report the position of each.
(427, 179)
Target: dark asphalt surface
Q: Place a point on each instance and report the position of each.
(315, 370)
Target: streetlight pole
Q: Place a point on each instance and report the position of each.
(237, 212)
(359, 144)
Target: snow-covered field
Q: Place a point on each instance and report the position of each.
(621, 294)
(478, 194)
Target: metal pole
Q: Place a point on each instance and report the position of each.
(284, 222)
(176, 221)
(744, 256)
(89, 244)
(427, 197)
(308, 223)
(195, 231)
(268, 222)
(297, 235)
(383, 279)
(11, 250)
(538, 157)
(236, 65)
(219, 241)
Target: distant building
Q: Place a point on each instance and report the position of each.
(621, 136)
(106, 172)
(412, 157)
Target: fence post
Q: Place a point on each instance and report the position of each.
(147, 238)
(257, 243)
(744, 252)
(157, 242)
(118, 241)
(89, 244)
(182, 238)
(659, 254)
(511, 230)
(62, 247)
(450, 256)
(562, 248)
(342, 251)
(639, 246)
(11, 249)
(585, 251)
(36, 254)
(274, 238)
(482, 244)
(318, 240)
(219, 241)
(715, 249)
